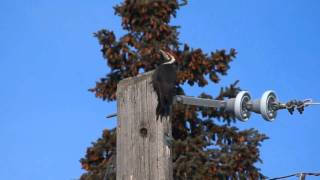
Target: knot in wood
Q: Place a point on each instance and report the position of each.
(143, 132)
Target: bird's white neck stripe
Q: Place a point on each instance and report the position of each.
(171, 61)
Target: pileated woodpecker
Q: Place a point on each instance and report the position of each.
(164, 81)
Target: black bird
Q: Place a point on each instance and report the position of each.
(164, 82)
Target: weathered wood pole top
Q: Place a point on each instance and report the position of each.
(142, 150)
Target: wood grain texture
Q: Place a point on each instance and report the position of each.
(141, 157)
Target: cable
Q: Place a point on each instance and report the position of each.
(301, 175)
(283, 177)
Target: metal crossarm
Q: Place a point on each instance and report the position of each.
(187, 100)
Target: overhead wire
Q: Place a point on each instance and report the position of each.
(301, 175)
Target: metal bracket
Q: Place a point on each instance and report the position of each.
(188, 100)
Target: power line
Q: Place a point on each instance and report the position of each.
(301, 176)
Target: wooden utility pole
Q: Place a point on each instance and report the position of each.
(143, 150)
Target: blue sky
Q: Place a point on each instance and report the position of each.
(49, 58)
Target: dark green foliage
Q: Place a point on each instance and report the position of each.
(203, 148)
(100, 158)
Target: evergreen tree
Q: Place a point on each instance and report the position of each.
(202, 147)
